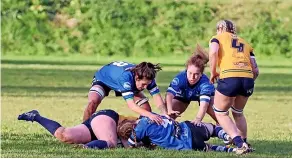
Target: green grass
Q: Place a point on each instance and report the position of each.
(58, 87)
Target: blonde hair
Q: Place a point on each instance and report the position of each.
(226, 26)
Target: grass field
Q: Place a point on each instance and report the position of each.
(58, 89)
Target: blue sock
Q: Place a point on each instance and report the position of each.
(237, 140)
(221, 148)
(50, 125)
(220, 133)
(99, 144)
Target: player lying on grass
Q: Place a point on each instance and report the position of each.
(99, 131)
(173, 135)
(192, 85)
(127, 80)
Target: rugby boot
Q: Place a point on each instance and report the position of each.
(28, 116)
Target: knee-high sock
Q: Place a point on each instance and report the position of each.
(221, 148)
(49, 124)
(97, 144)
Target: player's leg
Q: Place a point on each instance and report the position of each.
(104, 127)
(142, 101)
(179, 104)
(73, 135)
(225, 95)
(63, 134)
(239, 118)
(239, 104)
(96, 94)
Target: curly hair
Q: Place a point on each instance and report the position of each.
(125, 128)
(198, 59)
(146, 70)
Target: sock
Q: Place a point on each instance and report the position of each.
(50, 125)
(245, 140)
(238, 141)
(220, 133)
(99, 144)
(221, 148)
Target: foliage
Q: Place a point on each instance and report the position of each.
(139, 27)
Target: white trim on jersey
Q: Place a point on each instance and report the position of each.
(127, 93)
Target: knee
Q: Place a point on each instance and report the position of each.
(65, 136)
(219, 112)
(236, 113)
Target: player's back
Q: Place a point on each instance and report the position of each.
(112, 73)
(114, 70)
(164, 135)
(233, 56)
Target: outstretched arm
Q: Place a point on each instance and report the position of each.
(160, 103)
(143, 112)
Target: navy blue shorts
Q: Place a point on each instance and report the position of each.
(200, 134)
(108, 112)
(184, 100)
(106, 88)
(234, 86)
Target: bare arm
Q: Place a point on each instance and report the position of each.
(254, 66)
(137, 109)
(89, 110)
(202, 110)
(160, 103)
(213, 56)
(169, 97)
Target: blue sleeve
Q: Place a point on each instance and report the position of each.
(206, 91)
(126, 88)
(175, 86)
(139, 132)
(153, 88)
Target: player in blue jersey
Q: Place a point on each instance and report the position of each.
(127, 80)
(173, 135)
(191, 85)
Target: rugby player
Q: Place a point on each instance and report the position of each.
(173, 135)
(192, 85)
(127, 80)
(238, 70)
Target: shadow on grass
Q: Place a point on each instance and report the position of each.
(38, 145)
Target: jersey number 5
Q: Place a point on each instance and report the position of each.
(238, 47)
(120, 63)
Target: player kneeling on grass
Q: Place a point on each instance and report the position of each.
(192, 85)
(99, 131)
(173, 135)
(127, 80)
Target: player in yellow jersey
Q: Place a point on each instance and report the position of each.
(237, 72)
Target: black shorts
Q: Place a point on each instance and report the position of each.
(105, 88)
(200, 134)
(234, 86)
(108, 112)
(182, 99)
